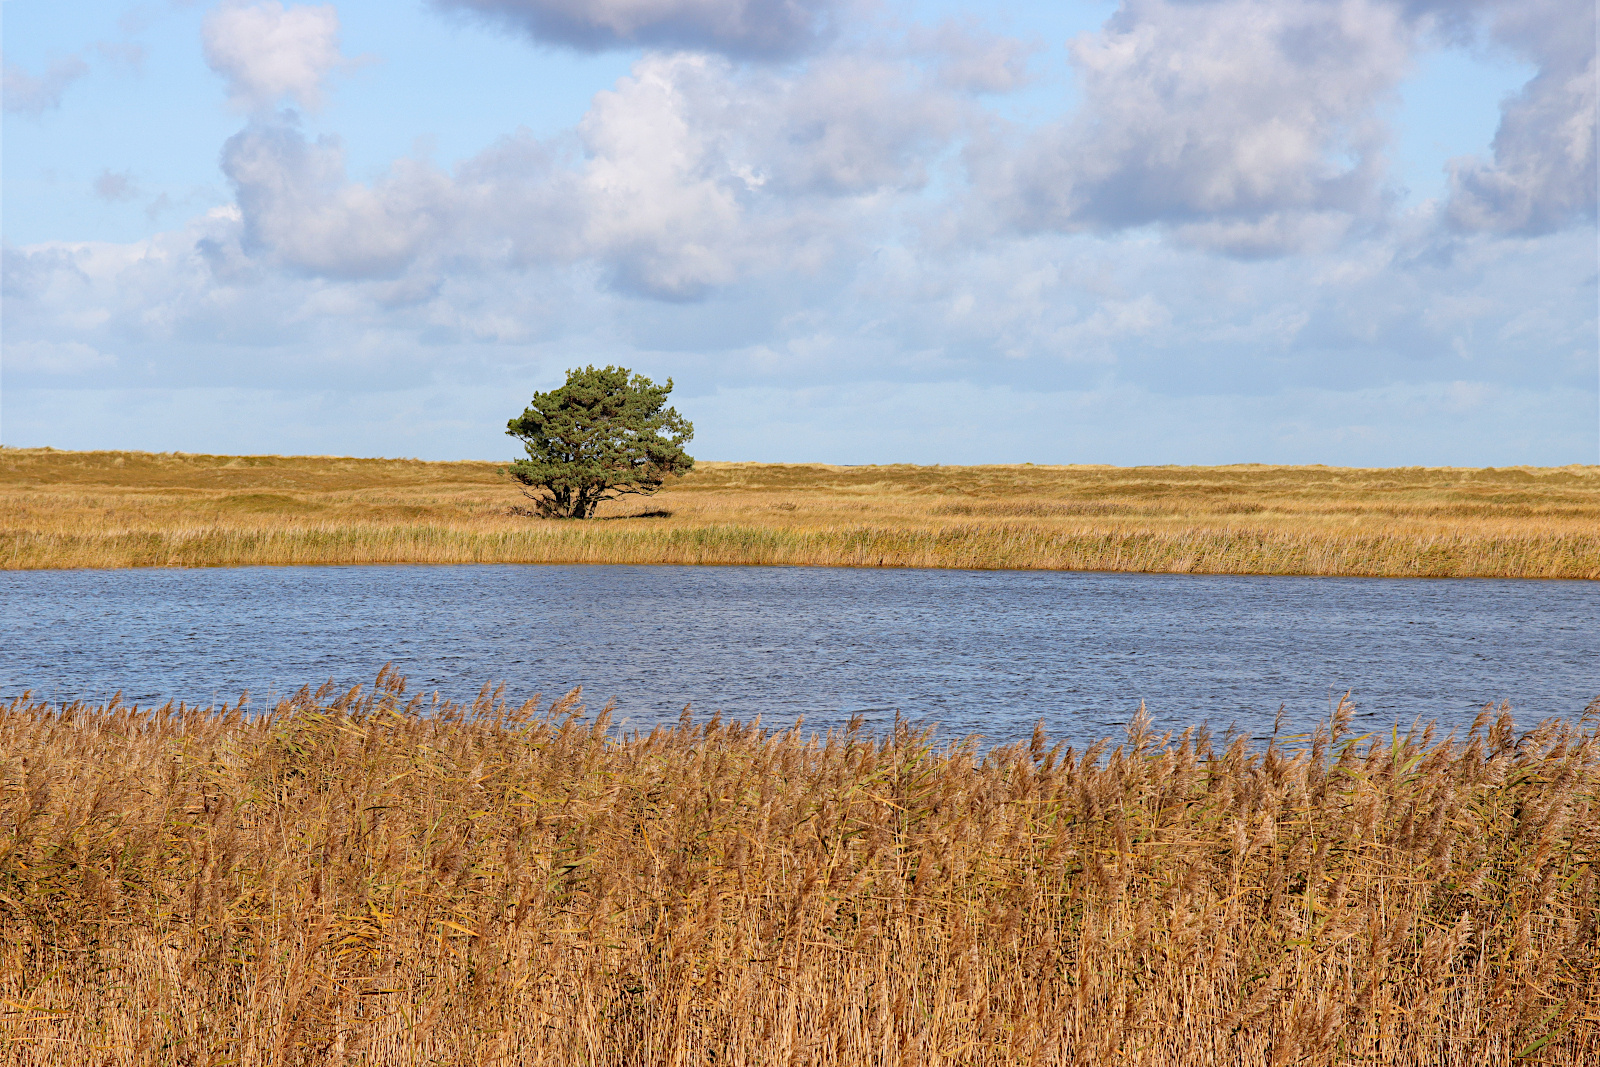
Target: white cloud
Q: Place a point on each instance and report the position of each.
(658, 199)
(1247, 125)
(300, 211)
(750, 29)
(698, 174)
(1253, 127)
(268, 52)
(29, 95)
(1242, 126)
(690, 174)
(1542, 175)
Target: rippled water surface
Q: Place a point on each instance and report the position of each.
(976, 651)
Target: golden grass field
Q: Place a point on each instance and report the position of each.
(131, 509)
(369, 879)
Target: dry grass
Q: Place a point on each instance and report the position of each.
(371, 880)
(103, 509)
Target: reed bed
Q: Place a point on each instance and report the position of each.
(66, 509)
(372, 878)
(1184, 549)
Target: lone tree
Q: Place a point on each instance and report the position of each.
(603, 434)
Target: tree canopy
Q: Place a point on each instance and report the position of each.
(603, 434)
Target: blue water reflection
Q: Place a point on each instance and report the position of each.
(976, 651)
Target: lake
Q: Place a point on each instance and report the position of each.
(985, 652)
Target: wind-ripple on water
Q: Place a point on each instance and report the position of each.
(986, 652)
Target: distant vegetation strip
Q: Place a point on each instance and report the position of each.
(64, 509)
(1201, 550)
(370, 878)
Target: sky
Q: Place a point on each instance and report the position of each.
(1352, 232)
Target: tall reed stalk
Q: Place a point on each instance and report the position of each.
(370, 878)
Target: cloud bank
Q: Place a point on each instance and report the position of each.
(691, 174)
(831, 238)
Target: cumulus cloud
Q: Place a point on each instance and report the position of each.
(1254, 127)
(1542, 175)
(1248, 126)
(660, 201)
(29, 95)
(746, 29)
(688, 175)
(267, 52)
(849, 125)
(298, 207)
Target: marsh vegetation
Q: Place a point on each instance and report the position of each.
(367, 877)
(104, 509)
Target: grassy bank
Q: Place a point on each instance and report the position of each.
(104, 509)
(368, 880)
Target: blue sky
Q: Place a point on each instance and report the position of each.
(1192, 231)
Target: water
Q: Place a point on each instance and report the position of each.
(984, 652)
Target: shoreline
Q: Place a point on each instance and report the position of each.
(808, 566)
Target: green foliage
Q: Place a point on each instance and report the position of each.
(603, 434)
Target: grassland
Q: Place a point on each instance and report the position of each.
(364, 878)
(128, 509)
